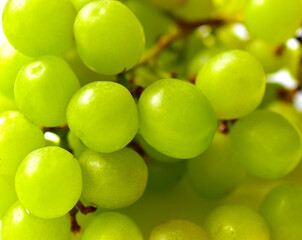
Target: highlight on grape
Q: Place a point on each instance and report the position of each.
(151, 119)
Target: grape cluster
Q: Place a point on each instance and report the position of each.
(151, 119)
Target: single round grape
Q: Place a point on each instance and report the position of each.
(234, 83)
(194, 10)
(266, 144)
(7, 186)
(104, 116)
(49, 182)
(103, 50)
(7, 104)
(43, 89)
(215, 173)
(282, 209)
(39, 27)
(112, 226)
(10, 63)
(273, 20)
(236, 222)
(19, 224)
(178, 229)
(164, 175)
(18, 137)
(113, 180)
(75, 144)
(176, 118)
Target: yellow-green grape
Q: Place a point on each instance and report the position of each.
(75, 144)
(113, 180)
(49, 182)
(232, 9)
(236, 222)
(18, 224)
(178, 229)
(273, 20)
(271, 94)
(18, 137)
(10, 63)
(154, 22)
(266, 54)
(194, 10)
(43, 89)
(79, 4)
(266, 144)
(112, 226)
(7, 186)
(167, 4)
(215, 173)
(104, 116)
(39, 27)
(103, 50)
(176, 118)
(7, 104)
(282, 210)
(234, 83)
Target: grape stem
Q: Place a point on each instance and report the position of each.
(53, 129)
(85, 210)
(75, 227)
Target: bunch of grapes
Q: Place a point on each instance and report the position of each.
(151, 119)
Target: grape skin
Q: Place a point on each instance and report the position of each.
(7, 186)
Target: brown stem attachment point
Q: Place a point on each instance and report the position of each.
(288, 95)
(75, 227)
(137, 148)
(53, 129)
(223, 127)
(279, 50)
(85, 210)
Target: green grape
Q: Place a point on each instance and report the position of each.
(164, 175)
(113, 180)
(6, 104)
(43, 89)
(236, 222)
(178, 229)
(104, 116)
(49, 182)
(153, 152)
(112, 226)
(234, 83)
(167, 4)
(154, 22)
(19, 224)
(215, 173)
(271, 94)
(7, 186)
(176, 118)
(18, 137)
(75, 144)
(273, 20)
(282, 209)
(194, 10)
(79, 4)
(266, 54)
(10, 63)
(45, 26)
(266, 144)
(103, 50)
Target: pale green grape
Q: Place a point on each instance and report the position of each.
(176, 118)
(75, 144)
(154, 22)
(39, 27)
(178, 229)
(236, 222)
(103, 50)
(19, 224)
(49, 182)
(266, 55)
(18, 137)
(215, 173)
(282, 209)
(6, 104)
(273, 20)
(10, 63)
(112, 226)
(234, 83)
(164, 175)
(266, 144)
(167, 4)
(113, 180)
(43, 89)
(104, 116)
(7, 186)
(194, 10)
